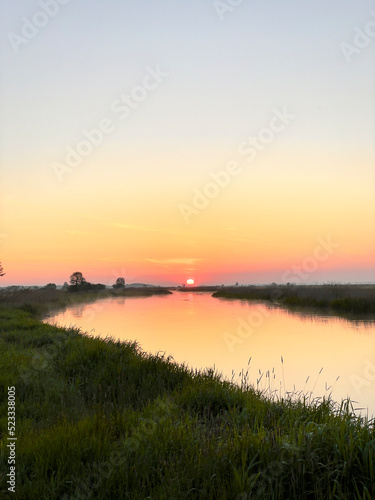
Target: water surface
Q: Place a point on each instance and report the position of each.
(202, 331)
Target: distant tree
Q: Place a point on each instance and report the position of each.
(65, 286)
(77, 279)
(236, 284)
(120, 283)
(50, 286)
(1, 270)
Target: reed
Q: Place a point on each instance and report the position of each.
(339, 299)
(43, 300)
(103, 419)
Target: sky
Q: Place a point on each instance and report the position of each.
(223, 141)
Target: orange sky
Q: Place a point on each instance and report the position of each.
(246, 141)
(252, 231)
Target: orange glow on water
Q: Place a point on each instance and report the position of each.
(227, 333)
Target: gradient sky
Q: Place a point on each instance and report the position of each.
(227, 71)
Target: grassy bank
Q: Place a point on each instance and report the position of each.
(340, 299)
(102, 419)
(42, 301)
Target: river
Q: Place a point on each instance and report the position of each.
(281, 351)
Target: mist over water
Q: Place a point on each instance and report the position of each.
(201, 331)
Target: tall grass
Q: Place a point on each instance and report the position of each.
(102, 419)
(341, 299)
(43, 300)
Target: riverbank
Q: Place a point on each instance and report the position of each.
(102, 419)
(340, 299)
(43, 300)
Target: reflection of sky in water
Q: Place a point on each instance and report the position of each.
(205, 332)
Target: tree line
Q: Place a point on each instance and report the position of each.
(78, 283)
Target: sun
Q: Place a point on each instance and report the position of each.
(190, 281)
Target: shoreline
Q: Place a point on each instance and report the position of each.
(44, 301)
(347, 301)
(101, 417)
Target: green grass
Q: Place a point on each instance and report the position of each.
(339, 299)
(102, 419)
(40, 302)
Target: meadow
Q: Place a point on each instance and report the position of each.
(44, 300)
(99, 418)
(338, 299)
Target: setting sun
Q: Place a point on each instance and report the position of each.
(209, 142)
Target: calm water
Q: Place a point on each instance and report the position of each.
(206, 332)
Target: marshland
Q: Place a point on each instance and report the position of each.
(216, 159)
(341, 299)
(104, 418)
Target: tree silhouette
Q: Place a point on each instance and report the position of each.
(1, 270)
(77, 279)
(120, 283)
(51, 286)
